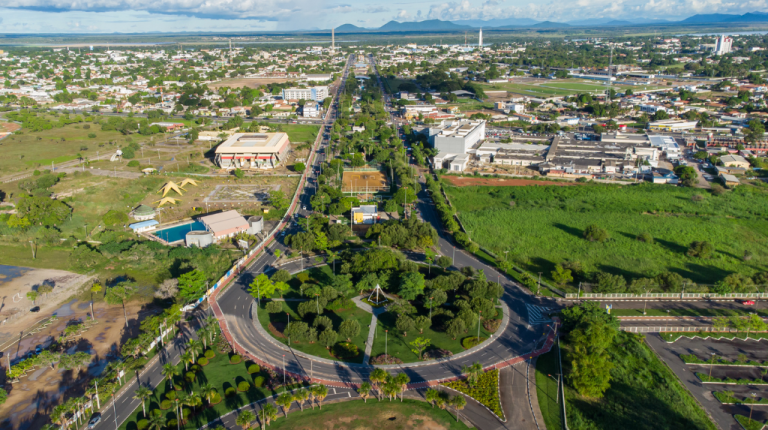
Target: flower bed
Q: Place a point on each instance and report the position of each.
(385, 359)
(486, 391)
(472, 341)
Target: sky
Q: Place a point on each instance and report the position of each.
(140, 16)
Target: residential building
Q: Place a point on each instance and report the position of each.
(311, 93)
(311, 109)
(365, 214)
(729, 180)
(253, 151)
(723, 45)
(652, 108)
(735, 161)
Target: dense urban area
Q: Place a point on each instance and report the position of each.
(224, 235)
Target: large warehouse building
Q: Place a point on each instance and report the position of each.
(317, 94)
(454, 139)
(253, 151)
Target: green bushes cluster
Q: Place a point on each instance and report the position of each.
(235, 359)
(230, 391)
(258, 381)
(166, 404)
(202, 361)
(472, 341)
(743, 381)
(485, 391)
(209, 354)
(345, 350)
(254, 368)
(243, 386)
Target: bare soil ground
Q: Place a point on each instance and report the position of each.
(248, 82)
(468, 182)
(31, 400)
(16, 282)
(361, 180)
(9, 126)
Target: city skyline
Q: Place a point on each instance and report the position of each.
(141, 16)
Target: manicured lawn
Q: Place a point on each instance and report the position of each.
(300, 132)
(18, 254)
(397, 345)
(317, 275)
(219, 373)
(547, 389)
(362, 317)
(544, 225)
(643, 393)
(357, 414)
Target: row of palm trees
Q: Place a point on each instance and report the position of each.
(268, 412)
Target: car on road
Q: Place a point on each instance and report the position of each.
(95, 419)
(38, 349)
(748, 302)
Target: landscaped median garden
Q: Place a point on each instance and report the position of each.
(720, 361)
(481, 386)
(749, 424)
(705, 378)
(729, 398)
(431, 313)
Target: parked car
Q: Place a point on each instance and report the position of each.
(747, 302)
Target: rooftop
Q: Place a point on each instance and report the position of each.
(253, 142)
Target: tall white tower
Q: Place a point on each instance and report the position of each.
(480, 40)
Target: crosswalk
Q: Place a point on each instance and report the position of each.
(537, 314)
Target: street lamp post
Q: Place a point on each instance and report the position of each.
(751, 405)
(430, 308)
(711, 363)
(479, 314)
(645, 302)
(386, 338)
(283, 370)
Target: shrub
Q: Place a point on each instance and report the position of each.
(471, 341)
(92, 135)
(645, 237)
(258, 381)
(142, 424)
(434, 354)
(171, 395)
(202, 361)
(345, 350)
(385, 359)
(215, 398)
(185, 413)
(235, 359)
(274, 307)
(700, 249)
(189, 376)
(593, 233)
(243, 386)
(209, 354)
(229, 392)
(254, 368)
(171, 423)
(133, 163)
(177, 387)
(166, 404)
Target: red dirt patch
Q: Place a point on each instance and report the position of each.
(9, 127)
(460, 181)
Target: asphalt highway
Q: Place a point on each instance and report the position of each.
(519, 338)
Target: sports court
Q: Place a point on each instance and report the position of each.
(364, 182)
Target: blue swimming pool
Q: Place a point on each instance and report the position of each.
(178, 232)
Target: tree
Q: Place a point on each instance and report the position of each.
(170, 371)
(402, 380)
(378, 376)
(421, 322)
(419, 345)
(687, 174)
(404, 323)
(328, 337)
(156, 422)
(284, 400)
(456, 327)
(473, 373)
(119, 295)
(299, 167)
(32, 295)
(411, 285)
(143, 394)
(262, 286)
(320, 392)
(3, 396)
(364, 391)
(431, 396)
(458, 402)
(239, 174)
(720, 323)
(444, 262)
(608, 283)
(245, 418)
(755, 132)
(349, 329)
(268, 413)
(192, 284)
(593, 233)
(561, 276)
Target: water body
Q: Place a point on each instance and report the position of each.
(9, 273)
(179, 232)
(741, 33)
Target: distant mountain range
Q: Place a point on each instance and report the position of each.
(438, 25)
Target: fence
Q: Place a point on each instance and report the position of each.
(681, 296)
(660, 329)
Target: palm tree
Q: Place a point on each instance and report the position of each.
(473, 373)
(364, 391)
(186, 357)
(194, 400)
(208, 390)
(320, 391)
(142, 394)
(378, 377)
(432, 396)
(244, 419)
(268, 413)
(181, 400)
(169, 371)
(156, 422)
(203, 334)
(301, 396)
(193, 346)
(458, 402)
(390, 388)
(284, 400)
(402, 380)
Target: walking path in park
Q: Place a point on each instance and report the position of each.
(371, 328)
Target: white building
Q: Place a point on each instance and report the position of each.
(652, 108)
(672, 125)
(310, 110)
(723, 45)
(312, 93)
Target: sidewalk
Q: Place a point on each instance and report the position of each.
(371, 328)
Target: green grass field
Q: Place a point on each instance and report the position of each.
(547, 389)
(397, 345)
(525, 89)
(544, 225)
(643, 394)
(301, 132)
(357, 414)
